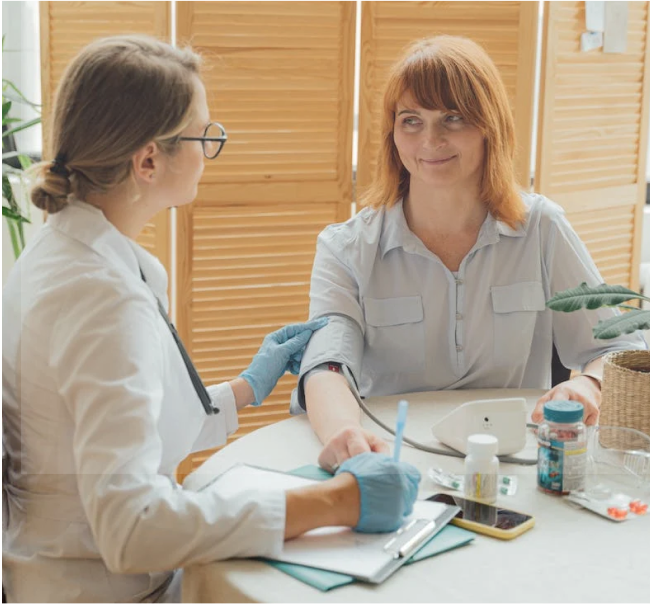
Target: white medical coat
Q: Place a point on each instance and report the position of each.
(98, 409)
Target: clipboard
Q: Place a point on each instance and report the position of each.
(366, 557)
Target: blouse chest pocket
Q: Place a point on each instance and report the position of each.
(515, 309)
(394, 340)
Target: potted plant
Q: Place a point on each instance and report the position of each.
(15, 205)
(626, 375)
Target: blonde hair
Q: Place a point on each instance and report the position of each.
(454, 74)
(117, 95)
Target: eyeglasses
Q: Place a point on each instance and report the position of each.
(213, 139)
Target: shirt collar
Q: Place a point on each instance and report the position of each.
(87, 224)
(504, 229)
(396, 232)
(492, 230)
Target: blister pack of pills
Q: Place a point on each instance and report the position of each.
(614, 506)
(506, 485)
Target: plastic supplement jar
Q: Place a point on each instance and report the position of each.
(481, 468)
(562, 448)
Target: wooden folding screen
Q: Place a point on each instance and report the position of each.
(279, 77)
(507, 31)
(592, 140)
(66, 27)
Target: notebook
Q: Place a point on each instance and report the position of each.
(366, 557)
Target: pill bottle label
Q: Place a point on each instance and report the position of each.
(481, 487)
(561, 466)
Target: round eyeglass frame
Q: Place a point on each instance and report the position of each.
(209, 139)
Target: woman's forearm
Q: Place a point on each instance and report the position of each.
(330, 404)
(595, 367)
(243, 392)
(335, 502)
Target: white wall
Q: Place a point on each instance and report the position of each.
(21, 65)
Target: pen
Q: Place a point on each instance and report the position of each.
(402, 408)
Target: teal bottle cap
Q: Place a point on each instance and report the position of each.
(564, 412)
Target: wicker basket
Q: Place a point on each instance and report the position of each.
(626, 390)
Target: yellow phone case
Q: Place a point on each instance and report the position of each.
(492, 531)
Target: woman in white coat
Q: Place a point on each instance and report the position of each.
(100, 400)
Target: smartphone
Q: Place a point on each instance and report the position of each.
(487, 519)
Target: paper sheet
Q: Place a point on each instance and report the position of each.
(615, 40)
(339, 549)
(595, 15)
(590, 40)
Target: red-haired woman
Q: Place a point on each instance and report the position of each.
(441, 281)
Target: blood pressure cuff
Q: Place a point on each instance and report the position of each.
(339, 342)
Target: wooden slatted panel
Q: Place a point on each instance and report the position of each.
(592, 139)
(507, 30)
(279, 77)
(66, 27)
(608, 238)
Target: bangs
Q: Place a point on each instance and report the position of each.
(437, 83)
(453, 75)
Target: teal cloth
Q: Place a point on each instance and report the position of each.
(447, 539)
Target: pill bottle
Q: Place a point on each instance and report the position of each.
(481, 468)
(562, 448)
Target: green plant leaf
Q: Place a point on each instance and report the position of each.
(585, 296)
(21, 98)
(12, 214)
(23, 126)
(6, 108)
(24, 160)
(7, 191)
(628, 322)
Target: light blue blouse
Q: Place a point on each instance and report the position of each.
(402, 322)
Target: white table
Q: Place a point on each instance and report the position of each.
(570, 555)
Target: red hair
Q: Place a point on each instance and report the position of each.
(453, 74)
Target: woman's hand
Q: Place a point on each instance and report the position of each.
(582, 389)
(370, 492)
(348, 442)
(387, 489)
(281, 351)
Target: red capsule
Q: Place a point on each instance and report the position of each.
(638, 507)
(617, 513)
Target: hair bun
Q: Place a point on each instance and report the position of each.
(52, 189)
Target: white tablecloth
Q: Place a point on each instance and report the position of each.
(571, 555)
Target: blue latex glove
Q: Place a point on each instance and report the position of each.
(280, 351)
(388, 490)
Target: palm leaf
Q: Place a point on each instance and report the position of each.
(7, 191)
(21, 98)
(628, 322)
(6, 108)
(12, 214)
(23, 126)
(24, 160)
(585, 296)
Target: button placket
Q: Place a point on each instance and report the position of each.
(459, 324)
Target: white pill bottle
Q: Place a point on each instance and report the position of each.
(481, 468)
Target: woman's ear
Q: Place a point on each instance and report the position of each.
(146, 162)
